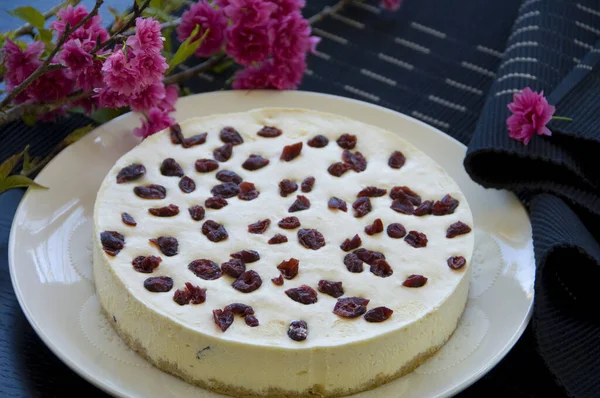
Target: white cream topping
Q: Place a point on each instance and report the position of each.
(273, 308)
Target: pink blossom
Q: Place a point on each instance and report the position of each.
(270, 75)
(20, 64)
(168, 103)
(291, 38)
(86, 71)
(247, 45)
(51, 86)
(108, 98)
(285, 7)
(252, 77)
(391, 5)
(150, 67)
(250, 13)
(147, 36)
(154, 121)
(204, 15)
(148, 98)
(222, 3)
(530, 114)
(91, 30)
(119, 76)
(287, 75)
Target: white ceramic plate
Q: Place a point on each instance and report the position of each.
(51, 263)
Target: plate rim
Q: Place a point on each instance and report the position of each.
(105, 387)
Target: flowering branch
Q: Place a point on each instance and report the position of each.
(27, 29)
(194, 70)
(137, 11)
(39, 109)
(327, 11)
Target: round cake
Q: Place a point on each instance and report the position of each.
(281, 252)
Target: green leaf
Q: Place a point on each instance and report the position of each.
(44, 35)
(9, 164)
(187, 48)
(168, 43)
(77, 134)
(29, 120)
(115, 13)
(156, 4)
(30, 15)
(223, 66)
(18, 181)
(29, 163)
(103, 115)
(157, 12)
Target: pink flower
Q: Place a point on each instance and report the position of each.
(250, 13)
(270, 75)
(247, 44)
(391, 5)
(20, 64)
(91, 30)
(147, 36)
(287, 75)
(108, 98)
(154, 121)
(204, 15)
(75, 57)
(148, 98)
(285, 7)
(291, 38)
(168, 103)
(222, 3)
(51, 86)
(119, 76)
(150, 67)
(530, 114)
(252, 77)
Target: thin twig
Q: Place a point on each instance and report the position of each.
(194, 70)
(117, 35)
(38, 109)
(27, 29)
(43, 68)
(327, 11)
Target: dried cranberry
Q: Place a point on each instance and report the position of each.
(308, 184)
(166, 211)
(318, 141)
(372, 192)
(445, 206)
(234, 267)
(248, 282)
(286, 187)
(337, 203)
(214, 231)
(206, 165)
(198, 139)
(247, 256)
(298, 330)
(167, 245)
(131, 173)
(181, 296)
(291, 152)
(146, 265)
(396, 160)
(229, 135)
(334, 289)
(424, 209)
(381, 268)
(378, 314)
(187, 185)
(301, 203)
(190, 294)
(369, 256)
(112, 242)
(339, 168)
(396, 231)
(215, 203)
(277, 239)
(228, 176)
(223, 319)
(176, 135)
(255, 162)
(311, 239)
(248, 191)
(402, 192)
(171, 168)
(403, 205)
(416, 239)
(289, 222)
(303, 294)
(415, 281)
(289, 268)
(356, 160)
(205, 269)
(361, 206)
(351, 244)
(151, 191)
(225, 190)
(196, 212)
(158, 284)
(374, 228)
(456, 262)
(240, 309)
(223, 153)
(259, 227)
(351, 307)
(251, 321)
(278, 280)
(457, 228)
(353, 263)
(347, 141)
(269, 132)
(128, 220)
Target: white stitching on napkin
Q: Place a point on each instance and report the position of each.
(478, 69)
(368, 7)
(490, 51)
(330, 36)
(582, 44)
(509, 91)
(518, 59)
(529, 28)
(395, 61)
(588, 10)
(322, 55)
(348, 21)
(464, 87)
(357, 91)
(412, 45)
(583, 66)
(528, 3)
(527, 15)
(446, 103)
(429, 119)
(587, 27)
(519, 75)
(378, 77)
(521, 44)
(428, 30)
